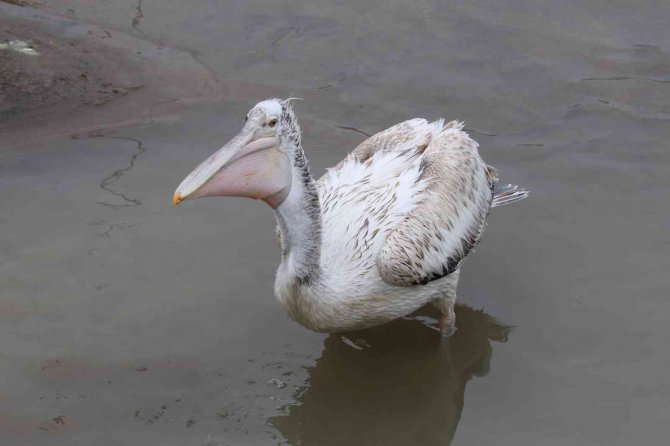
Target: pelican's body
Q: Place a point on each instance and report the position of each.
(380, 234)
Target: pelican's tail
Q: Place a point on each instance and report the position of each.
(508, 194)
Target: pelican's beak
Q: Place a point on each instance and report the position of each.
(248, 166)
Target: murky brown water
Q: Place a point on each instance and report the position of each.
(125, 321)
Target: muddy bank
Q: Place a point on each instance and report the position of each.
(42, 73)
(58, 75)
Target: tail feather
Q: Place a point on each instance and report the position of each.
(508, 194)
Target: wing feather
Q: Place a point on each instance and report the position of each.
(432, 238)
(407, 135)
(431, 241)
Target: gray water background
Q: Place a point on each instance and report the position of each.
(138, 323)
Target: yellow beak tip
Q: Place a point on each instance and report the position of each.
(176, 199)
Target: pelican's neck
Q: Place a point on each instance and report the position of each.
(299, 219)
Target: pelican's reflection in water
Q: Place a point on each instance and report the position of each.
(398, 384)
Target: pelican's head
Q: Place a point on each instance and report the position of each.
(256, 163)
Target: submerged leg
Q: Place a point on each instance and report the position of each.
(447, 322)
(445, 303)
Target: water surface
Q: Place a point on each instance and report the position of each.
(125, 319)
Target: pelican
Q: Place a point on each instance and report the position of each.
(379, 235)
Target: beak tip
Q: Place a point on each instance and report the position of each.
(176, 199)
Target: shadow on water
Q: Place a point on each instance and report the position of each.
(395, 384)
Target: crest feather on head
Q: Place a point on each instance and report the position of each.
(291, 127)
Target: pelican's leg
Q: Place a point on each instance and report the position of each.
(447, 322)
(445, 303)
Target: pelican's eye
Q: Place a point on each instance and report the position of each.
(272, 122)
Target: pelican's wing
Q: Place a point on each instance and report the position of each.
(412, 134)
(432, 239)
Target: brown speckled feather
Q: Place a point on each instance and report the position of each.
(442, 229)
(403, 136)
